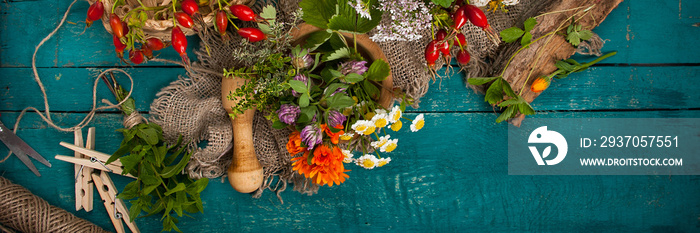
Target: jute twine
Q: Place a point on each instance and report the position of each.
(130, 120)
(25, 212)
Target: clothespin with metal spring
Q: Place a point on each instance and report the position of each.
(115, 207)
(83, 179)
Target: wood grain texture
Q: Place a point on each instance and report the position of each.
(456, 183)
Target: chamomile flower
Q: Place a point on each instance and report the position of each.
(383, 161)
(380, 142)
(346, 136)
(364, 127)
(396, 126)
(395, 114)
(380, 120)
(389, 146)
(417, 123)
(380, 111)
(347, 156)
(367, 161)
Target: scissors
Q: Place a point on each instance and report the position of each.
(21, 149)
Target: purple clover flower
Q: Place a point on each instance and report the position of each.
(358, 67)
(288, 113)
(336, 118)
(311, 135)
(301, 78)
(302, 62)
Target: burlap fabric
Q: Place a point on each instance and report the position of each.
(191, 106)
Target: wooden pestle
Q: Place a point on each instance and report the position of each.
(245, 172)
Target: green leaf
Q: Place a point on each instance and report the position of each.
(130, 162)
(527, 38)
(338, 54)
(341, 23)
(348, 13)
(481, 80)
(507, 114)
(304, 100)
(150, 135)
(353, 78)
(268, 12)
(525, 108)
(130, 191)
(508, 102)
(197, 186)
(511, 34)
(339, 101)
(318, 12)
(134, 210)
(443, 3)
(564, 66)
(279, 125)
(148, 189)
(573, 38)
(585, 34)
(378, 71)
(508, 90)
(530, 24)
(298, 86)
(333, 87)
(371, 89)
(177, 188)
(170, 171)
(316, 39)
(495, 92)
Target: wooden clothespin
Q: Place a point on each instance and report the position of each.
(96, 160)
(83, 179)
(115, 207)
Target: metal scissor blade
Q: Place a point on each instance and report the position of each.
(21, 149)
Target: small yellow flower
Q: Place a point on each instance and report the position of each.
(380, 142)
(367, 161)
(417, 123)
(354, 98)
(383, 161)
(347, 111)
(395, 114)
(389, 146)
(370, 129)
(346, 136)
(369, 115)
(396, 126)
(362, 126)
(348, 156)
(380, 120)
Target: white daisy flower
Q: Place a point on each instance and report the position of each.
(380, 120)
(347, 136)
(348, 156)
(383, 161)
(389, 146)
(367, 161)
(380, 142)
(380, 111)
(417, 123)
(395, 114)
(479, 3)
(364, 127)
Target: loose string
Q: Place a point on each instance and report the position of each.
(46, 116)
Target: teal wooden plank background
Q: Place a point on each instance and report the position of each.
(450, 176)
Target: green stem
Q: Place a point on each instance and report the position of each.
(521, 49)
(586, 65)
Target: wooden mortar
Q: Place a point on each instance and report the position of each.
(245, 172)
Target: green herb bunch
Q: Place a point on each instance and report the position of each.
(160, 185)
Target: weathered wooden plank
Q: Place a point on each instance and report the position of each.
(70, 89)
(642, 31)
(434, 183)
(26, 23)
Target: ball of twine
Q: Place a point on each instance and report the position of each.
(25, 212)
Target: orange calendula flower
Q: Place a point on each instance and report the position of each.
(540, 84)
(294, 144)
(334, 136)
(326, 167)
